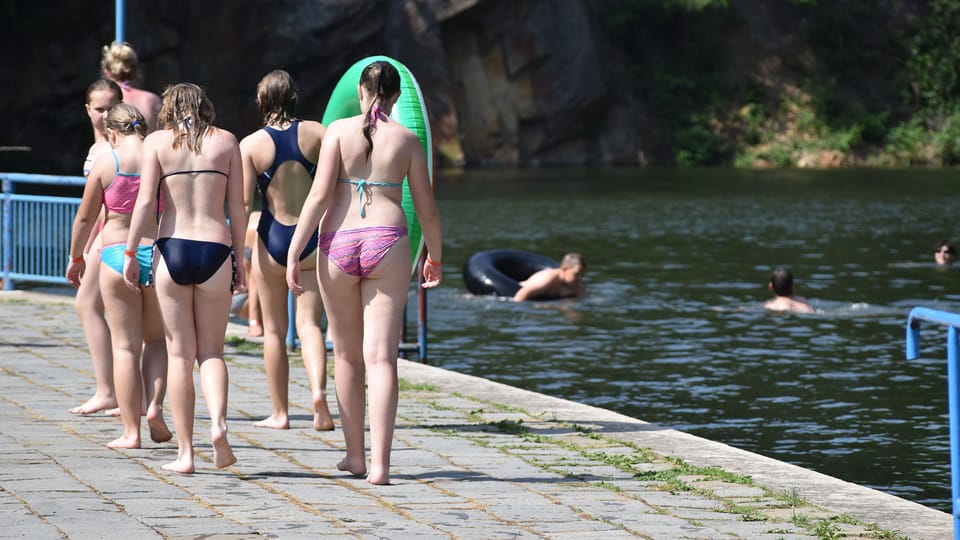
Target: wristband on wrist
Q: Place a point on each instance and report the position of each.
(76, 260)
(431, 262)
(131, 254)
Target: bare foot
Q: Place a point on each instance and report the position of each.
(255, 329)
(112, 412)
(183, 465)
(354, 469)
(95, 404)
(125, 442)
(378, 476)
(222, 453)
(274, 422)
(321, 415)
(158, 428)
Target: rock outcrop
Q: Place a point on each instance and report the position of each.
(507, 83)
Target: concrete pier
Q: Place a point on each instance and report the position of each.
(471, 459)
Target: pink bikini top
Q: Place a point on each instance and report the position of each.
(121, 194)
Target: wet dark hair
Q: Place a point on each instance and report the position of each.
(381, 80)
(105, 84)
(187, 105)
(951, 247)
(781, 281)
(277, 97)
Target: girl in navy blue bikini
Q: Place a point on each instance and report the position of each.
(280, 160)
(196, 168)
(364, 258)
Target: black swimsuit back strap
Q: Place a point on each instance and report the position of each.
(214, 171)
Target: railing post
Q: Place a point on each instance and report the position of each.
(421, 312)
(119, 21)
(954, 405)
(952, 321)
(7, 255)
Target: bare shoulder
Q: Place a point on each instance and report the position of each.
(343, 125)
(159, 137)
(228, 136)
(313, 127)
(252, 140)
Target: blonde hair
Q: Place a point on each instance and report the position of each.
(573, 259)
(189, 112)
(120, 61)
(126, 119)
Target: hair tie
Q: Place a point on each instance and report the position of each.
(375, 113)
(186, 122)
(135, 123)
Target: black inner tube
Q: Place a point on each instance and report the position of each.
(499, 272)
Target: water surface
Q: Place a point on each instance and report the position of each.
(673, 331)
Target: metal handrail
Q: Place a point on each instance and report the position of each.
(952, 322)
(47, 224)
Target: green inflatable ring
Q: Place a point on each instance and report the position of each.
(410, 110)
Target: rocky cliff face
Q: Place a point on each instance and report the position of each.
(507, 83)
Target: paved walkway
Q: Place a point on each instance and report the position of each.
(471, 459)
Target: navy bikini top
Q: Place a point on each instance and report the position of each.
(286, 149)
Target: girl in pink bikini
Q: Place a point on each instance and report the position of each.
(112, 186)
(364, 261)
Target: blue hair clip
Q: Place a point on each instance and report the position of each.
(135, 123)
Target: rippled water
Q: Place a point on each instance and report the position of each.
(673, 332)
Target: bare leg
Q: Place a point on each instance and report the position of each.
(211, 312)
(90, 309)
(252, 242)
(154, 366)
(176, 305)
(313, 348)
(124, 306)
(273, 297)
(254, 315)
(384, 295)
(342, 292)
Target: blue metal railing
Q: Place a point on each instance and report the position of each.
(952, 321)
(419, 346)
(35, 242)
(35, 246)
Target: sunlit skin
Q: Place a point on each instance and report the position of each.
(284, 200)
(365, 312)
(563, 282)
(194, 314)
(100, 102)
(944, 256)
(138, 331)
(89, 301)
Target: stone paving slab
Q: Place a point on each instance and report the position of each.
(472, 459)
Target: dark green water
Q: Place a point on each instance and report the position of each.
(673, 332)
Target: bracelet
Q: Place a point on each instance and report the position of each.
(431, 262)
(131, 254)
(76, 260)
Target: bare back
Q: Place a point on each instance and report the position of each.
(394, 148)
(146, 102)
(291, 181)
(194, 185)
